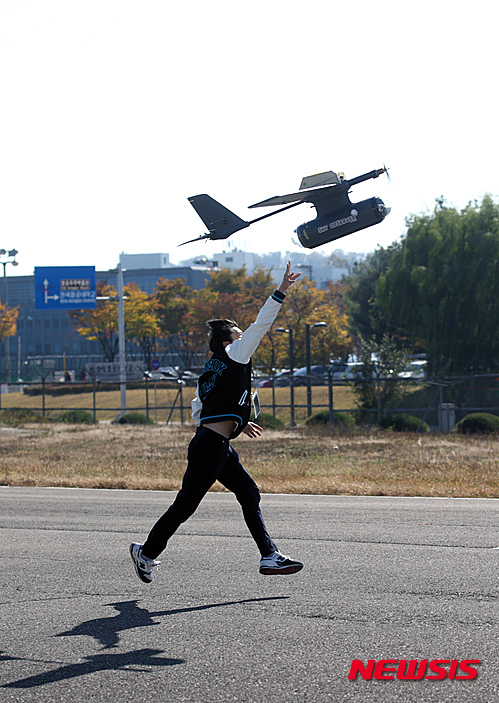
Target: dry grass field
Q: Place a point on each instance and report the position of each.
(291, 461)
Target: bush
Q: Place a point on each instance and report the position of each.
(268, 421)
(402, 422)
(322, 418)
(78, 416)
(12, 417)
(478, 423)
(134, 419)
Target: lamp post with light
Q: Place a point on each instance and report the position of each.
(292, 366)
(12, 253)
(308, 363)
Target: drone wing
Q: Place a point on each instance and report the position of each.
(282, 200)
(322, 198)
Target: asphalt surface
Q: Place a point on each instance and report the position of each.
(384, 578)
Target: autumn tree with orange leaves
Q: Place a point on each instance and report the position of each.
(173, 319)
(8, 321)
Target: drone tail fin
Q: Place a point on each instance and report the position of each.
(221, 222)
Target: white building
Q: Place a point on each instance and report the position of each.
(145, 261)
(232, 259)
(318, 267)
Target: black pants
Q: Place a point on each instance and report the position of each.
(211, 458)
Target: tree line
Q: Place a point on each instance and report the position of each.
(172, 320)
(434, 292)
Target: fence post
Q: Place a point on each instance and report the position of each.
(94, 399)
(273, 392)
(379, 396)
(155, 402)
(181, 403)
(446, 417)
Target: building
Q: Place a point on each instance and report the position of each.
(318, 267)
(43, 333)
(145, 261)
(50, 333)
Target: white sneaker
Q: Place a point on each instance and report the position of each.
(278, 563)
(143, 566)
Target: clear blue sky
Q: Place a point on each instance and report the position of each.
(114, 112)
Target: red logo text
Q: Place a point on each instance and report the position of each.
(412, 669)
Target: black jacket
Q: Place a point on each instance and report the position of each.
(224, 387)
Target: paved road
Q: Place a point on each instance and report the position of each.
(385, 578)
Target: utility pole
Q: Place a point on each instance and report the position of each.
(121, 339)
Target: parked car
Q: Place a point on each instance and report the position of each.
(264, 383)
(318, 377)
(345, 371)
(279, 380)
(416, 369)
(170, 373)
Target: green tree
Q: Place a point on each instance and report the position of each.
(367, 319)
(442, 287)
(377, 383)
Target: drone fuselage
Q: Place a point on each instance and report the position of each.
(340, 222)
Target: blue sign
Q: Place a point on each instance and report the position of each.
(155, 364)
(65, 288)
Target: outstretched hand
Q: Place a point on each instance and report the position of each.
(289, 278)
(253, 430)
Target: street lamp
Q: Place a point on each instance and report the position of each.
(308, 268)
(292, 366)
(121, 333)
(308, 363)
(12, 253)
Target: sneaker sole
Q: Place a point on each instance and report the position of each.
(272, 571)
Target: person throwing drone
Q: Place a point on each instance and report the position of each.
(221, 410)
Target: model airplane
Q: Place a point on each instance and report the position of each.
(328, 192)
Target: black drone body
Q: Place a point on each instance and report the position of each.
(328, 192)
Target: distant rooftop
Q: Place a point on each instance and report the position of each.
(145, 261)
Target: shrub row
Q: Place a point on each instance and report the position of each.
(475, 423)
(478, 423)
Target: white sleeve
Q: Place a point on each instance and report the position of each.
(242, 349)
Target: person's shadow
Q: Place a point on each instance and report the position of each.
(106, 632)
(130, 615)
(131, 661)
